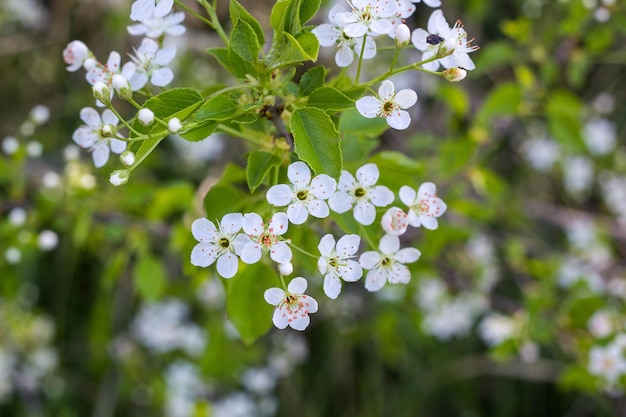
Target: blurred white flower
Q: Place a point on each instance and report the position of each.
(600, 136)
(47, 240)
(155, 27)
(577, 174)
(10, 145)
(17, 216)
(496, 328)
(541, 153)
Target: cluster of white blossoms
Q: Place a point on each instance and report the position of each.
(354, 32)
(148, 64)
(247, 237)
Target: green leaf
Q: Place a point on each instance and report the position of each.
(564, 112)
(259, 164)
(308, 8)
(312, 79)
(247, 309)
(503, 101)
(238, 12)
(244, 41)
(317, 141)
(200, 132)
(232, 62)
(329, 98)
(277, 17)
(352, 122)
(170, 200)
(397, 169)
(456, 98)
(292, 50)
(222, 199)
(220, 107)
(149, 278)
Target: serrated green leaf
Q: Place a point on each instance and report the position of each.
(220, 107)
(247, 309)
(317, 141)
(244, 41)
(277, 17)
(149, 278)
(308, 8)
(259, 164)
(291, 50)
(237, 11)
(329, 98)
(232, 62)
(200, 132)
(312, 79)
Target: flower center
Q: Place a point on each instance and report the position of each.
(359, 192)
(302, 195)
(388, 108)
(267, 239)
(225, 243)
(386, 261)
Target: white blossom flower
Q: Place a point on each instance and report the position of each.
(75, 54)
(119, 177)
(97, 135)
(541, 153)
(223, 243)
(370, 17)
(332, 34)
(265, 238)
(361, 193)
(388, 264)
(395, 221)
(39, 114)
(10, 145)
(607, 362)
(104, 73)
(145, 116)
(292, 306)
(155, 27)
(450, 44)
(600, 324)
(577, 174)
(150, 64)
(304, 196)
(496, 328)
(600, 136)
(17, 216)
(389, 105)
(146, 9)
(424, 206)
(47, 240)
(336, 264)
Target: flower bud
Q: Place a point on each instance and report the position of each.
(119, 177)
(403, 35)
(122, 87)
(127, 158)
(454, 74)
(101, 92)
(75, 54)
(145, 116)
(174, 125)
(89, 64)
(285, 268)
(108, 131)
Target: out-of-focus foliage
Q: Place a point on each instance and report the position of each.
(516, 306)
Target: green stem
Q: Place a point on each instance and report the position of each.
(215, 22)
(367, 237)
(282, 281)
(130, 128)
(394, 60)
(236, 133)
(194, 13)
(358, 70)
(303, 251)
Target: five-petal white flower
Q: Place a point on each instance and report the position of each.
(292, 306)
(266, 238)
(145, 9)
(368, 17)
(150, 63)
(389, 105)
(155, 27)
(388, 264)
(336, 264)
(104, 73)
(332, 34)
(97, 135)
(394, 221)
(424, 206)
(305, 196)
(361, 193)
(222, 243)
(75, 54)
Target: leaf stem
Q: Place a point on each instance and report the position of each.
(304, 252)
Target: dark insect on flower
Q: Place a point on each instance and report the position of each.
(434, 39)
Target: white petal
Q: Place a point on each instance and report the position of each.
(418, 38)
(426, 190)
(344, 55)
(346, 182)
(300, 323)
(100, 154)
(370, 48)
(91, 117)
(138, 81)
(323, 186)
(399, 274)
(165, 55)
(239, 242)
(368, 175)
(299, 174)
(279, 195)
(407, 255)
(85, 137)
(138, 29)
(117, 146)
(203, 254)
(364, 213)
(326, 245)
(389, 244)
(355, 30)
(351, 272)
(280, 319)
(340, 202)
(386, 89)
(162, 77)
(429, 222)
(252, 224)
(405, 98)
(399, 120)
(309, 303)
(113, 63)
(204, 230)
(141, 9)
(414, 219)
(326, 34)
(369, 260)
(375, 280)
(368, 106)
(348, 245)
(381, 26)
(278, 224)
(297, 213)
(176, 30)
(274, 296)
(231, 223)
(227, 265)
(434, 20)
(280, 253)
(109, 118)
(163, 7)
(463, 60)
(407, 195)
(381, 196)
(319, 209)
(332, 286)
(251, 253)
(297, 285)
(430, 66)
